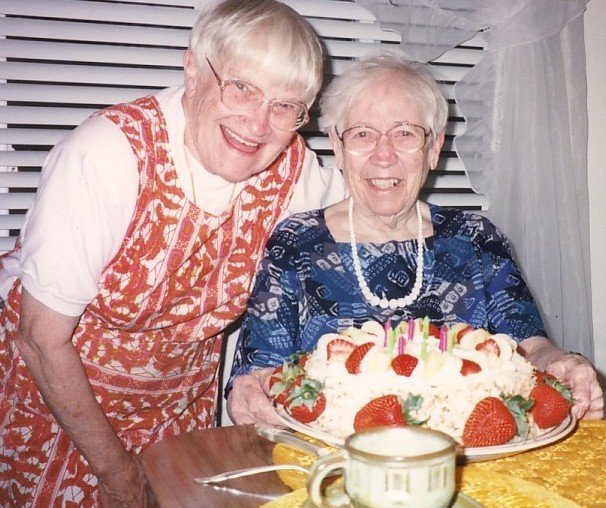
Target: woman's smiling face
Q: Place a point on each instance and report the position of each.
(232, 145)
(386, 182)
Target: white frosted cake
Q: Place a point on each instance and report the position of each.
(440, 376)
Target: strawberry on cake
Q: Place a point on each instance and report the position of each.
(466, 382)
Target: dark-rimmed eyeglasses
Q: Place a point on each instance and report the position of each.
(242, 97)
(404, 137)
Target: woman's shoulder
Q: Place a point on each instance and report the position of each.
(450, 221)
(301, 227)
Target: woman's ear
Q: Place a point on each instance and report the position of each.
(435, 149)
(191, 72)
(337, 148)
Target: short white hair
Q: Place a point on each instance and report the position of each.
(261, 30)
(416, 78)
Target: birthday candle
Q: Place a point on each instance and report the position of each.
(386, 329)
(450, 340)
(425, 336)
(443, 338)
(401, 339)
(411, 329)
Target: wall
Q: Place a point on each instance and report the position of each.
(595, 43)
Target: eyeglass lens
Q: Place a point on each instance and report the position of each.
(404, 137)
(241, 96)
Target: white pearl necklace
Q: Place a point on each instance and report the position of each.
(384, 303)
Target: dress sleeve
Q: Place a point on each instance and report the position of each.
(270, 329)
(318, 187)
(511, 307)
(81, 213)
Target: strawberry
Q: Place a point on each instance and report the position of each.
(302, 358)
(469, 367)
(282, 380)
(384, 410)
(434, 330)
(352, 364)
(544, 377)
(306, 402)
(489, 346)
(339, 347)
(404, 364)
(490, 423)
(551, 405)
(388, 410)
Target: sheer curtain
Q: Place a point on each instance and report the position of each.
(525, 146)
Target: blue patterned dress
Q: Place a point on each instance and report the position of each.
(306, 285)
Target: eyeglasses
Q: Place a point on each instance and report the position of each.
(404, 137)
(241, 97)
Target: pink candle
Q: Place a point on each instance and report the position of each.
(386, 328)
(411, 328)
(443, 344)
(401, 344)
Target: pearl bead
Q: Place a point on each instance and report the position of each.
(370, 297)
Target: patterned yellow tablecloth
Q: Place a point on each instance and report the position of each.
(569, 473)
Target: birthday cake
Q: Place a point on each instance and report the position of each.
(466, 382)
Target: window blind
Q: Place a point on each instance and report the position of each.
(61, 60)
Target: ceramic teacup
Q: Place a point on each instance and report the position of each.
(390, 467)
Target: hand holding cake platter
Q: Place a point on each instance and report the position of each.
(466, 382)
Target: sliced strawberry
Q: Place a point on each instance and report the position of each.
(404, 364)
(490, 423)
(550, 405)
(352, 364)
(306, 401)
(464, 332)
(469, 367)
(379, 412)
(339, 347)
(434, 330)
(489, 346)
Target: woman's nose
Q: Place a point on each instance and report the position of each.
(384, 150)
(260, 119)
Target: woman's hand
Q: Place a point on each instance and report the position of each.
(578, 373)
(249, 402)
(572, 369)
(125, 486)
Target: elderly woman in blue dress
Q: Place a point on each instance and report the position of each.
(383, 253)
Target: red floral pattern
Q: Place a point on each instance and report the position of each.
(151, 340)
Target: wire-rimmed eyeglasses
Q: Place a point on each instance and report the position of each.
(241, 97)
(404, 137)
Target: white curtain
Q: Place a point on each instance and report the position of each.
(525, 146)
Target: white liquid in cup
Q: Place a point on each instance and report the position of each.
(395, 467)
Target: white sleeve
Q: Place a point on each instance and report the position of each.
(318, 187)
(85, 202)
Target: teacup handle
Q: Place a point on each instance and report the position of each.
(318, 472)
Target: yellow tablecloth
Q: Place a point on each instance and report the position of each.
(569, 473)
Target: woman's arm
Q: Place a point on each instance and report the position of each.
(44, 340)
(570, 368)
(269, 332)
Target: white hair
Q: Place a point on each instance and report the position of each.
(416, 79)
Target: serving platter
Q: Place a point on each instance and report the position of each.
(476, 454)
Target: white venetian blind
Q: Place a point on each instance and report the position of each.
(61, 60)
